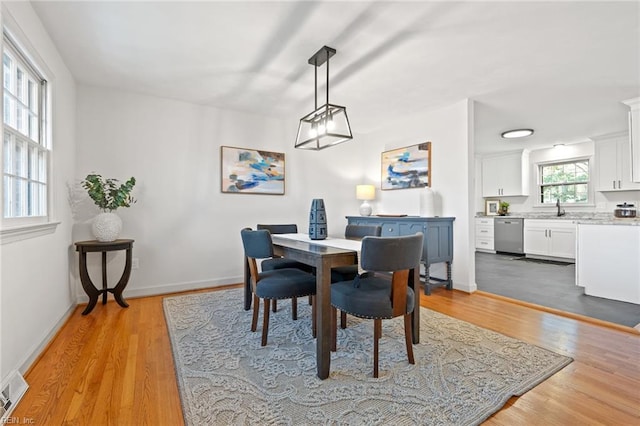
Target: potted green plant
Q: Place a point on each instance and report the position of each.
(109, 195)
(504, 208)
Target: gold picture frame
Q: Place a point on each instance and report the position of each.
(492, 207)
(408, 167)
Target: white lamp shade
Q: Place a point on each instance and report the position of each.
(365, 192)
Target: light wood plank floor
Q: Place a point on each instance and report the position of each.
(115, 366)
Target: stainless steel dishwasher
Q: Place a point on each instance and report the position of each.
(508, 235)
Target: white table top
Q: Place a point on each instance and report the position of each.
(341, 243)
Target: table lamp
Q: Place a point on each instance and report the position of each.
(365, 193)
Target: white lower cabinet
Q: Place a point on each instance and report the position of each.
(551, 238)
(607, 262)
(484, 234)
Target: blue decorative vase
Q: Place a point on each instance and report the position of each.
(317, 220)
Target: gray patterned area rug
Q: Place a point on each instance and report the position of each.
(462, 375)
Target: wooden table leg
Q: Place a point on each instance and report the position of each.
(414, 283)
(87, 285)
(104, 278)
(323, 318)
(119, 288)
(247, 285)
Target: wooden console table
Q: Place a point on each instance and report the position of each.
(84, 247)
(438, 240)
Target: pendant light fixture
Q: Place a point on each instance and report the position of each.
(328, 124)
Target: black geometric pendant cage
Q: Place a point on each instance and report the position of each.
(328, 124)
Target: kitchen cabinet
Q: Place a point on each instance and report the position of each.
(506, 175)
(607, 261)
(634, 137)
(613, 163)
(550, 238)
(484, 234)
(437, 246)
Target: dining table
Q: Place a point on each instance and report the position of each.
(324, 255)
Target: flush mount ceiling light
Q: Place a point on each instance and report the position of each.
(517, 133)
(327, 125)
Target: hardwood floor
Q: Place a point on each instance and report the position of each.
(115, 366)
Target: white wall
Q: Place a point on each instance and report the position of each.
(187, 231)
(36, 290)
(450, 131)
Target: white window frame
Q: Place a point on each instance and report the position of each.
(539, 184)
(18, 228)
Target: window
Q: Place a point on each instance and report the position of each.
(567, 181)
(25, 145)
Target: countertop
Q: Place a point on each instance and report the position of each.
(578, 218)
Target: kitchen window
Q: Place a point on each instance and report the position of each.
(567, 181)
(25, 147)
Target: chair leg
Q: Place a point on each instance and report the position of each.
(265, 322)
(334, 329)
(407, 337)
(275, 305)
(343, 320)
(294, 308)
(256, 308)
(314, 316)
(377, 332)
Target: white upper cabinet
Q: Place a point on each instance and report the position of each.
(506, 175)
(634, 137)
(613, 162)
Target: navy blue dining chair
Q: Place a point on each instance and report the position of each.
(376, 296)
(349, 272)
(277, 262)
(284, 283)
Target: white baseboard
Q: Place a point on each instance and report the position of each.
(37, 349)
(169, 288)
(468, 288)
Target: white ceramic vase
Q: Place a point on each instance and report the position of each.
(427, 202)
(106, 227)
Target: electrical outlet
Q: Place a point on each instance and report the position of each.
(135, 263)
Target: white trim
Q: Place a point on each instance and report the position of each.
(17, 40)
(590, 184)
(161, 289)
(19, 233)
(37, 349)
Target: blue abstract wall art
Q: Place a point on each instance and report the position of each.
(408, 167)
(252, 171)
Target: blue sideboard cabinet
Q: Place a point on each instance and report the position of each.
(438, 239)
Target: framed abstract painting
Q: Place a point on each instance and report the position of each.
(251, 171)
(408, 167)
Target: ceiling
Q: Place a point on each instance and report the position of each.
(562, 68)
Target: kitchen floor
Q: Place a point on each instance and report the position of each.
(550, 285)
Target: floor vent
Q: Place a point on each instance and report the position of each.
(10, 393)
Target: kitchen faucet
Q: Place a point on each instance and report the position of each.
(560, 212)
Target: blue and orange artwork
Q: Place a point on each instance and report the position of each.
(252, 171)
(408, 167)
